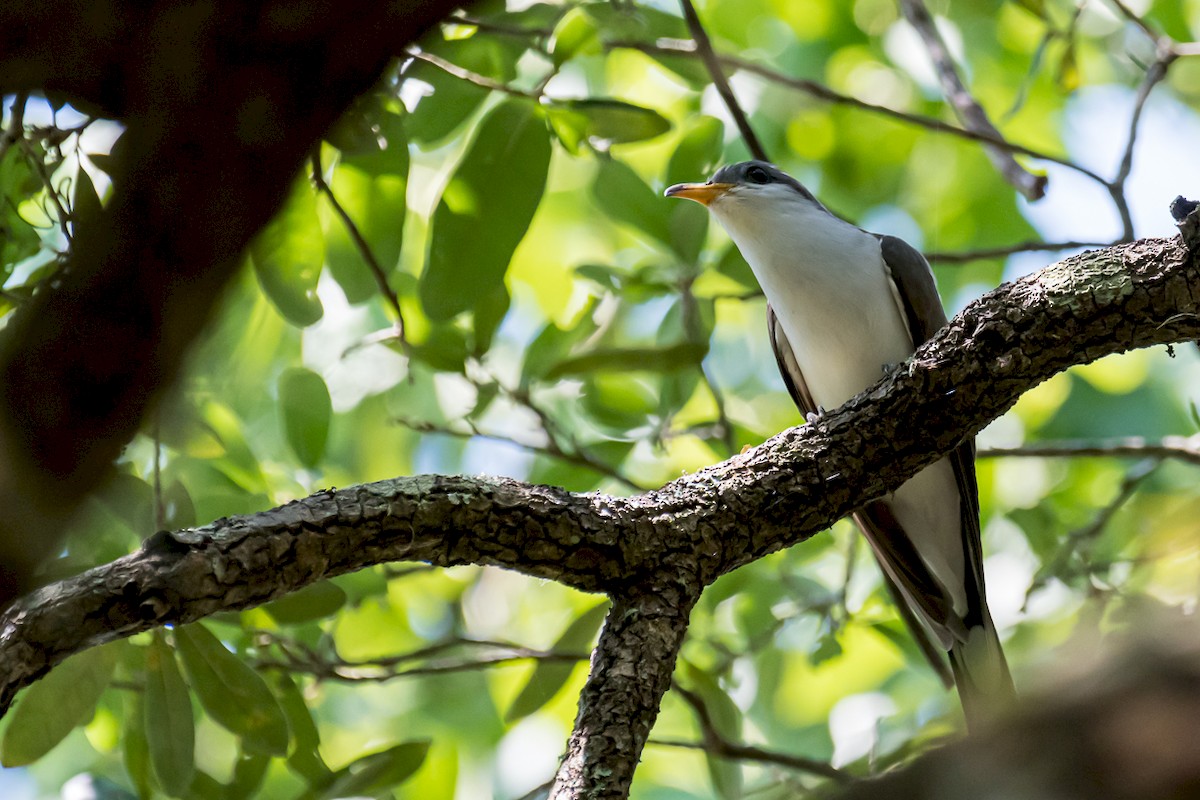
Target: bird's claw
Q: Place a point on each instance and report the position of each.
(813, 416)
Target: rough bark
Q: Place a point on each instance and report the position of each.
(655, 552)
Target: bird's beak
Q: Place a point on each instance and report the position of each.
(702, 193)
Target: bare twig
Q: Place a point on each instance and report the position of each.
(705, 48)
(16, 125)
(1032, 187)
(451, 68)
(1008, 250)
(1081, 538)
(360, 242)
(822, 92)
(431, 660)
(1155, 73)
(718, 745)
(570, 455)
(39, 166)
(1181, 448)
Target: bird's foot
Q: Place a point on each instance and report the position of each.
(813, 416)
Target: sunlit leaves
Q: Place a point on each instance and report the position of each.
(625, 197)
(376, 772)
(371, 186)
(665, 359)
(51, 708)
(485, 209)
(312, 602)
(306, 411)
(604, 122)
(550, 675)
(452, 100)
(231, 692)
(170, 732)
(18, 239)
(288, 255)
(575, 34)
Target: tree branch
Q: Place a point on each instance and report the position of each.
(972, 115)
(630, 672)
(653, 553)
(705, 48)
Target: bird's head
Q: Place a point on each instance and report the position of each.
(754, 201)
(747, 187)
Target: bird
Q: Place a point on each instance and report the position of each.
(844, 304)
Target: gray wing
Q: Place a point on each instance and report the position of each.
(923, 310)
(889, 541)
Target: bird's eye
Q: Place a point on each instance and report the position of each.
(758, 175)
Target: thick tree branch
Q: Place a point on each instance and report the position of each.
(630, 672)
(689, 532)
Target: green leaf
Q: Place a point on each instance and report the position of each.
(554, 344)
(698, 152)
(377, 772)
(606, 120)
(371, 187)
(312, 602)
(307, 410)
(454, 100)
(549, 676)
(489, 313)
(232, 693)
(51, 708)
(135, 749)
(170, 731)
(1068, 70)
(726, 718)
(485, 210)
(625, 197)
(575, 34)
(288, 254)
(305, 759)
(18, 239)
(733, 265)
(624, 359)
(248, 773)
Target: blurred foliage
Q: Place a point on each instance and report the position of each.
(563, 323)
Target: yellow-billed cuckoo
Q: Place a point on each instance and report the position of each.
(842, 304)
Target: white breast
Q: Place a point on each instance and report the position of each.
(829, 287)
(826, 281)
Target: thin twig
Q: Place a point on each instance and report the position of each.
(491, 26)
(1008, 250)
(717, 744)
(694, 329)
(1079, 538)
(552, 449)
(705, 48)
(1155, 73)
(822, 92)
(16, 126)
(451, 68)
(1136, 20)
(360, 242)
(39, 166)
(972, 115)
(1181, 448)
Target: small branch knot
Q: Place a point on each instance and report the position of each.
(1187, 216)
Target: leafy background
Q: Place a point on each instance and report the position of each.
(563, 323)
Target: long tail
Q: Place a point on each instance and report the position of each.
(981, 674)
